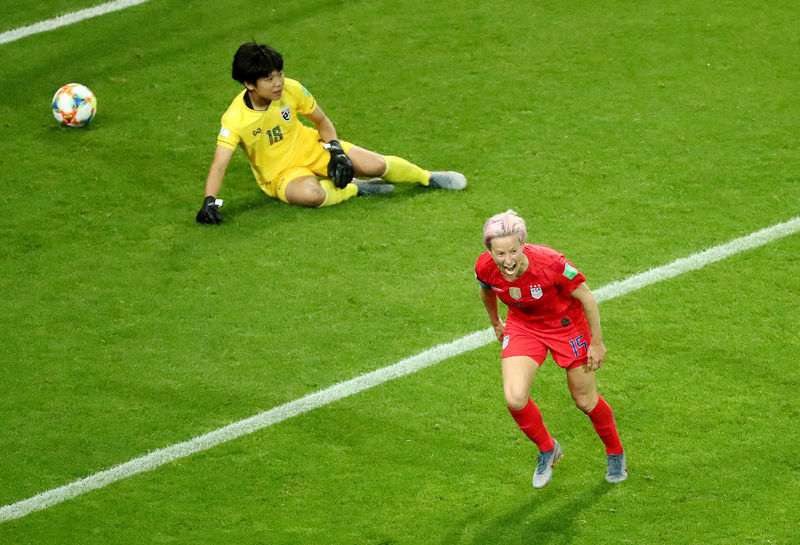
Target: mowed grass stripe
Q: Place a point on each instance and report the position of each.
(66, 19)
(358, 384)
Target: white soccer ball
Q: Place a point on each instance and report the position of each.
(74, 105)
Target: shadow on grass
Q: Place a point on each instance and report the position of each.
(255, 204)
(548, 516)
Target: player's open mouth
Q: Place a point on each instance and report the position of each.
(510, 269)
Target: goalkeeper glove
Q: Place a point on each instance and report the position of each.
(340, 167)
(209, 213)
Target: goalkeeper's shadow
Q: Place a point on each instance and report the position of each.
(244, 207)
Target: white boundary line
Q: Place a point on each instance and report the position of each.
(66, 19)
(358, 384)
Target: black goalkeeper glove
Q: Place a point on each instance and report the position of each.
(210, 212)
(340, 167)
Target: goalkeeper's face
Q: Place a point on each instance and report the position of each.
(268, 88)
(508, 256)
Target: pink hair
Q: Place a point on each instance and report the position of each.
(503, 225)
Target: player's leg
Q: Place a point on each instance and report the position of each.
(583, 387)
(303, 191)
(301, 187)
(300, 184)
(390, 168)
(518, 373)
(315, 160)
(398, 170)
(366, 163)
(569, 347)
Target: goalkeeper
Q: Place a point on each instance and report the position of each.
(292, 162)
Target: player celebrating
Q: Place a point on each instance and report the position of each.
(293, 162)
(549, 308)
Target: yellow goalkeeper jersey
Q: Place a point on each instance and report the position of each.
(274, 139)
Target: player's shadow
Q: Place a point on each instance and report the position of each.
(546, 517)
(257, 204)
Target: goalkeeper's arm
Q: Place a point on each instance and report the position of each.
(209, 213)
(340, 168)
(324, 125)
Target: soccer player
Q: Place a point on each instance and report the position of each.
(291, 161)
(549, 308)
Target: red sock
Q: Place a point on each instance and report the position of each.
(603, 421)
(529, 420)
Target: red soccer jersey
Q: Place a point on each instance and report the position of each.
(541, 296)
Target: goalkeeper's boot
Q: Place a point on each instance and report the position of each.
(544, 465)
(617, 468)
(376, 186)
(447, 179)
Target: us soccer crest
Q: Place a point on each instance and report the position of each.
(536, 291)
(286, 113)
(515, 293)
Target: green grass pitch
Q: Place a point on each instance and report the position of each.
(628, 134)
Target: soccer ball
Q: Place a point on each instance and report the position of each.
(74, 105)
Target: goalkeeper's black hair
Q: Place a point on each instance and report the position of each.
(253, 61)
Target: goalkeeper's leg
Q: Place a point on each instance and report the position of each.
(312, 193)
(396, 169)
(334, 195)
(388, 167)
(400, 170)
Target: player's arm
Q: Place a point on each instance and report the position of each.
(222, 157)
(209, 213)
(323, 124)
(489, 300)
(340, 167)
(597, 350)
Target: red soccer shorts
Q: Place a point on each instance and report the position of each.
(567, 344)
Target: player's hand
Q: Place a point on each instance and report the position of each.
(499, 329)
(595, 355)
(340, 167)
(209, 213)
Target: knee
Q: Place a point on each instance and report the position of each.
(316, 196)
(516, 397)
(305, 191)
(366, 162)
(585, 402)
(380, 165)
(374, 164)
(312, 196)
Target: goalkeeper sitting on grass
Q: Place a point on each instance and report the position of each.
(291, 161)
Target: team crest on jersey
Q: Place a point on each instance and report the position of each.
(515, 293)
(536, 291)
(286, 113)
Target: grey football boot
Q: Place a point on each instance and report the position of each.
(376, 186)
(447, 179)
(617, 468)
(544, 465)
